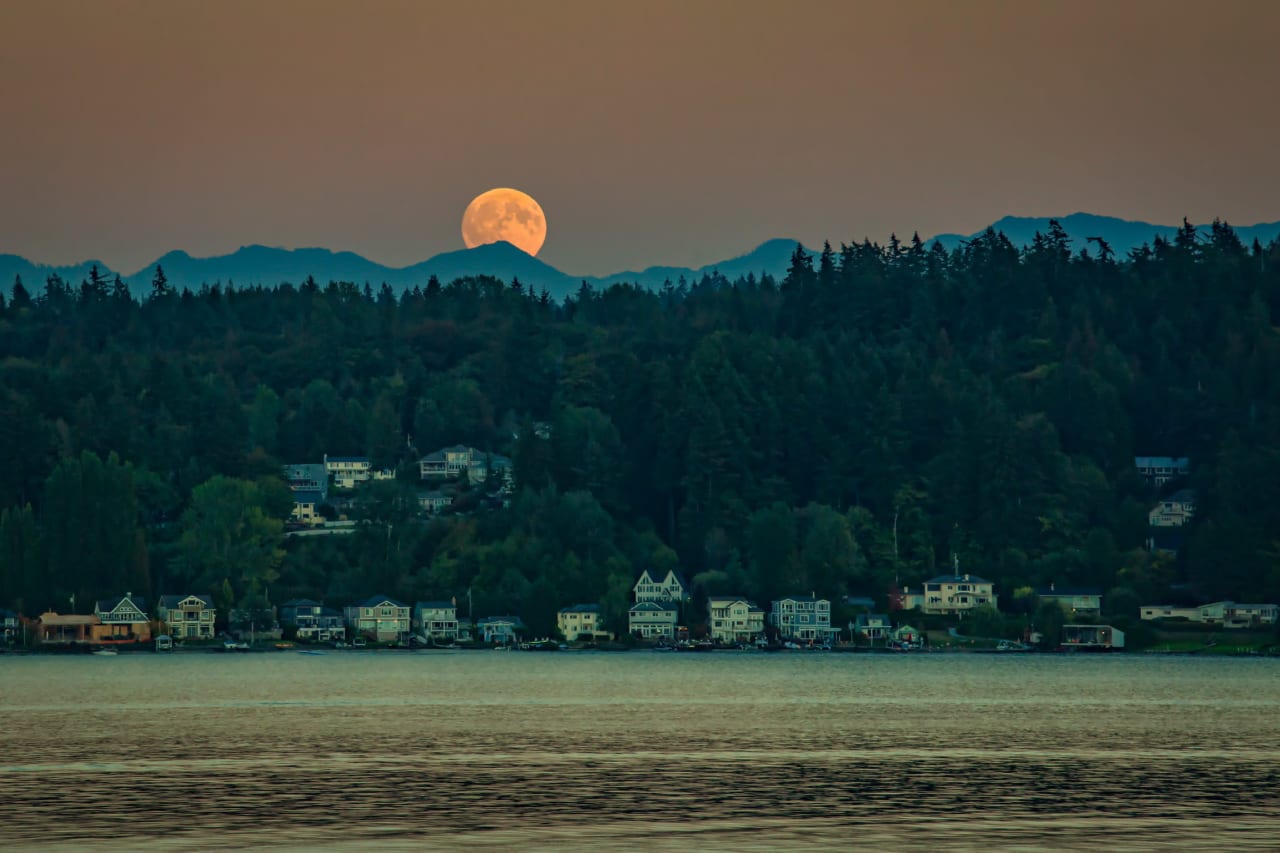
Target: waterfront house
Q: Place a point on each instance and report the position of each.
(581, 621)
(804, 618)
(188, 617)
(123, 619)
(311, 621)
(907, 634)
(957, 594)
(733, 619)
(1085, 601)
(10, 627)
(652, 620)
(1092, 637)
(381, 619)
(1175, 510)
(872, 627)
(1159, 470)
(500, 630)
(653, 585)
(1249, 615)
(436, 620)
(59, 629)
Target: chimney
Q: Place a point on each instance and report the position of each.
(966, 577)
(1051, 589)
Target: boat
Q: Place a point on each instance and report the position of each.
(105, 652)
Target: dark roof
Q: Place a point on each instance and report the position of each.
(7, 614)
(1183, 496)
(514, 620)
(329, 611)
(864, 618)
(653, 605)
(300, 602)
(375, 600)
(434, 605)
(581, 608)
(813, 598)
(308, 496)
(171, 601)
(106, 605)
(346, 459)
(958, 579)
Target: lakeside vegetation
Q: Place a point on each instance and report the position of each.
(879, 412)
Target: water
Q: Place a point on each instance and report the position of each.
(638, 751)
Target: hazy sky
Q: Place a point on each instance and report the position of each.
(651, 132)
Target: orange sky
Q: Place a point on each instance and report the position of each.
(651, 132)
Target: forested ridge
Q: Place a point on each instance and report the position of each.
(873, 416)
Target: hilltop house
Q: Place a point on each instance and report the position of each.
(188, 616)
(434, 500)
(310, 486)
(802, 617)
(1081, 600)
(957, 594)
(123, 619)
(581, 620)
(500, 630)
(453, 462)
(1175, 510)
(733, 619)
(653, 586)
(436, 620)
(1159, 470)
(652, 620)
(312, 621)
(381, 619)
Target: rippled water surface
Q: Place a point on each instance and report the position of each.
(638, 751)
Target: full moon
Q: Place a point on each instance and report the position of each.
(504, 214)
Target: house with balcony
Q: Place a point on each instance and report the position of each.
(653, 585)
(381, 619)
(1175, 510)
(500, 630)
(1249, 615)
(1082, 600)
(871, 627)
(188, 617)
(347, 471)
(732, 619)
(652, 620)
(957, 594)
(311, 621)
(310, 487)
(434, 501)
(451, 463)
(582, 621)
(803, 618)
(436, 620)
(1091, 638)
(1158, 470)
(123, 619)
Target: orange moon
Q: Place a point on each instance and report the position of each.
(504, 214)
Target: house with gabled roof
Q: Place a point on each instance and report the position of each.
(653, 585)
(500, 630)
(652, 620)
(871, 627)
(1175, 510)
(436, 620)
(311, 621)
(189, 617)
(733, 619)
(123, 619)
(380, 618)
(582, 620)
(957, 594)
(1159, 470)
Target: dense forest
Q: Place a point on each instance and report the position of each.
(880, 412)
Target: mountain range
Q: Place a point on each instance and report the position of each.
(268, 265)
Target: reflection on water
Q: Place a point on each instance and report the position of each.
(638, 751)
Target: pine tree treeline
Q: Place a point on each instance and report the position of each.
(875, 414)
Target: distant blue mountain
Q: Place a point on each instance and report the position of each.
(1121, 234)
(265, 265)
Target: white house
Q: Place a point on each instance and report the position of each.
(871, 627)
(652, 620)
(381, 619)
(500, 630)
(188, 616)
(581, 620)
(733, 619)
(346, 471)
(1175, 510)
(453, 462)
(1159, 470)
(1245, 615)
(436, 620)
(803, 617)
(434, 501)
(957, 594)
(1081, 600)
(656, 586)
